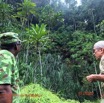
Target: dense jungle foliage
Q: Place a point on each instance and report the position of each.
(58, 40)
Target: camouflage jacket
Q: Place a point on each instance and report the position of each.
(8, 70)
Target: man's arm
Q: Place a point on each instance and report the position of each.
(95, 77)
(5, 93)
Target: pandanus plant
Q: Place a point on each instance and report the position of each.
(37, 37)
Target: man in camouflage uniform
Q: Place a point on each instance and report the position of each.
(9, 75)
(99, 54)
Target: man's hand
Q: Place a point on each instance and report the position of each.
(91, 78)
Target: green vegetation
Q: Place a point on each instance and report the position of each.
(34, 93)
(57, 52)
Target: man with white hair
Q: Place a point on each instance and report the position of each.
(98, 51)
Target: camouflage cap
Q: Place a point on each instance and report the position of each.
(9, 37)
